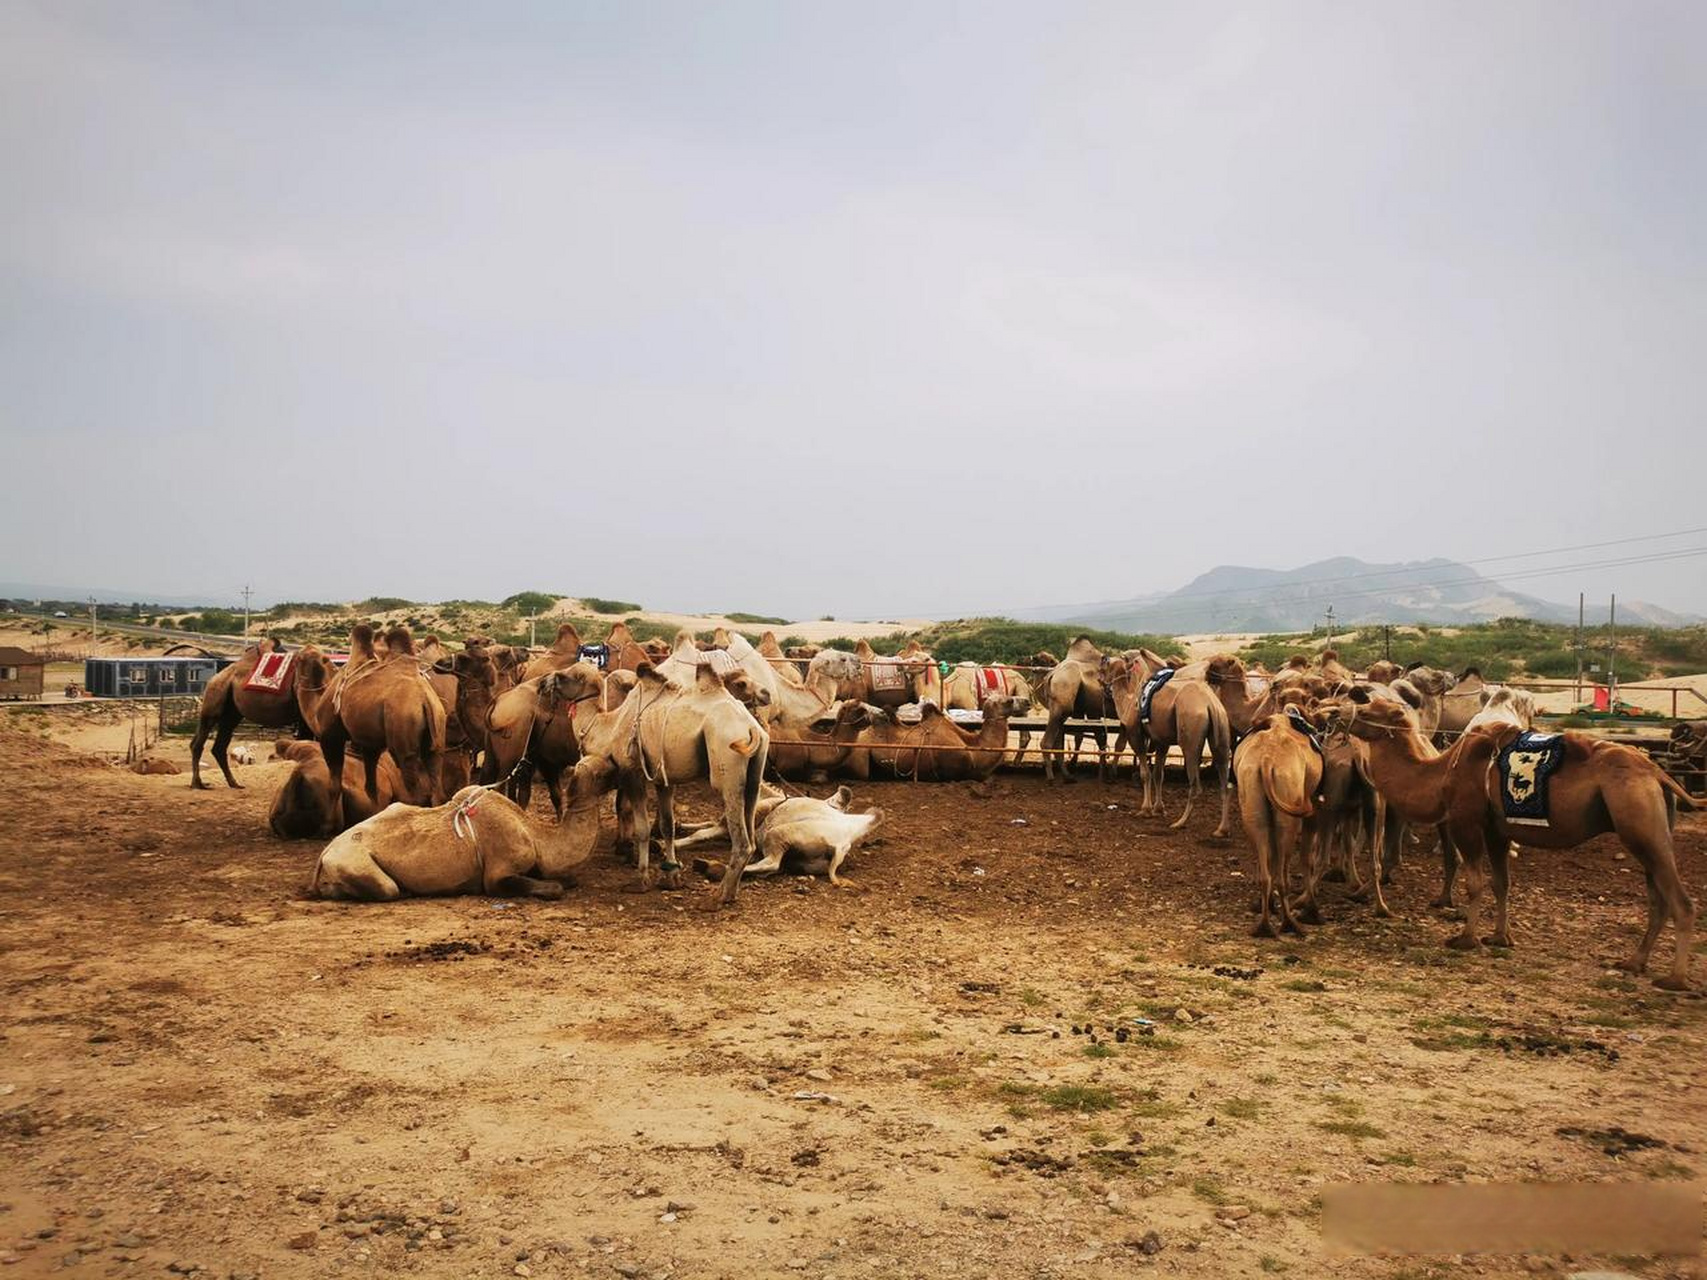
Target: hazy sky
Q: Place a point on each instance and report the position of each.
(874, 310)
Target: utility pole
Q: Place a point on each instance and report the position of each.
(1386, 642)
(532, 619)
(92, 624)
(247, 592)
(1578, 646)
(1330, 616)
(1612, 656)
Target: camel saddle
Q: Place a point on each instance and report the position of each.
(1526, 763)
(1148, 693)
(888, 674)
(990, 682)
(271, 673)
(597, 654)
(1296, 719)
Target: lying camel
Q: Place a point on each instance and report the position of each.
(1279, 775)
(890, 682)
(814, 837)
(935, 749)
(478, 842)
(303, 805)
(817, 750)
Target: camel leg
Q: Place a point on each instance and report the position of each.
(1469, 938)
(671, 877)
(640, 811)
(1262, 836)
(1103, 766)
(416, 786)
(1448, 870)
(772, 848)
(332, 745)
(1221, 755)
(1056, 767)
(370, 769)
(739, 785)
(554, 788)
(1193, 752)
(355, 877)
(1289, 832)
(1650, 841)
(1499, 865)
(228, 719)
(1314, 859)
(516, 885)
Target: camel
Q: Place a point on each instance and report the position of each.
(565, 652)
(1074, 688)
(792, 672)
(889, 682)
(1504, 705)
(303, 806)
(817, 750)
(226, 704)
(1383, 671)
(1349, 813)
(665, 734)
(467, 684)
(1335, 672)
(968, 683)
(785, 704)
(1279, 775)
(949, 752)
(1599, 788)
(813, 836)
(1430, 687)
(1460, 703)
(1184, 711)
(477, 842)
(380, 705)
(532, 727)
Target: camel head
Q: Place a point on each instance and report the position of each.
(578, 682)
(1000, 706)
(1224, 668)
(804, 652)
(1430, 680)
(835, 664)
(1043, 660)
(1298, 662)
(746, 690)
(1383, 672)
(474, 665)
(1367, 711)
(657, 647)
(1115, 670)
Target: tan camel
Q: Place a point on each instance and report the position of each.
(1383, 671)
(1460, 702)
(380, 705)
(1073, 688)
(1279, 776)
(1335, 672)
(565, 652)
(665, 735)
(815, 751)
(908, 676)
(303, 806)
(934, 749)
(478, 842)
(1599, 788)
(786, 704)
(226, 704)
(811, 837)
(1185, 712)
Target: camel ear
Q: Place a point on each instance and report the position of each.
(1409, 694)
(1359, 695)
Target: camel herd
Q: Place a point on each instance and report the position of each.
(1331, 768)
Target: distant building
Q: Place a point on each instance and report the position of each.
(150, 677)
(21, 673)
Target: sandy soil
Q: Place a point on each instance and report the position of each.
(202, 1070)
(810, 630)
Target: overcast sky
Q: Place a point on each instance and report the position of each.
(875, 310)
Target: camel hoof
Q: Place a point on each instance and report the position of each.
(1310, 913)
(711, 902)
(1292, 927)
(1383, 911)
(1068, 778)
(1220, 833)
(1669, 983)
(1442, 903)
(642, 885)
(709, 868)
(1462, 942)
(1359, 895)
(843, 882)
(1631, 966)
(1265, 929)
(1497, 940)
(670, 880)
(196, 784)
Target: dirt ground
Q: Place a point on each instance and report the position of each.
(204, 1072)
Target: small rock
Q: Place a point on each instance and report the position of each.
(435, 1234)
(448, 1206)
(819, 1074)
(522, 1269)
(1113, 1201)
(680, 1206)
(666, 1217)
(1236, 1212)
(1182, 1015)
(759, 1083)
(306, 1240)
(1150, 1244)
(628, 1269)
(129, 1240)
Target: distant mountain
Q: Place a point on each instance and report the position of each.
(1239, 598)
(30, 591)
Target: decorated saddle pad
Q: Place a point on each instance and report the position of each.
(887, 675)
(271, 672)
(990, 682)
(597, 654)
(971, 719)
(1298, 722)
(1526, 764)
(1148, 692)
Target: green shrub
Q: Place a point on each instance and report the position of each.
(599, 604)
(756, 619)
(529, 602)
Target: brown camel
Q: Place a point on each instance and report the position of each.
(1279, 776)
(478, 842)
(303, 805)
(565, 652)
(1383, 671)
(665, 735)
(1073, 688)
(380, 705)
(815, 751)
(531, 727)
(934, 749)
(226, 704)
(1599, 788)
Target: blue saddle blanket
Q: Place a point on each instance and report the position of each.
(1526, 764)
(1148, 692)
(1303, 726)
(597, 654)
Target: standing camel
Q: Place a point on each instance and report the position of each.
(1074, 689)
(1279, 773)
(226, 703)
(1185, 712)
(380, 705)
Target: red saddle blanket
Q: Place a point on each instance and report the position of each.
(990, 682)
(271, 672)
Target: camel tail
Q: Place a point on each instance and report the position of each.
(755, 737)
(1676, 792)
(1301, 809)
